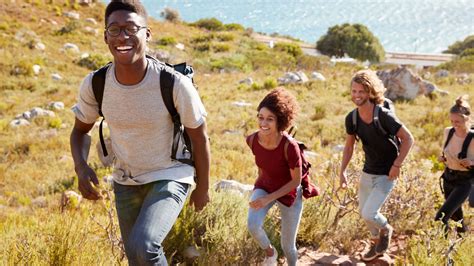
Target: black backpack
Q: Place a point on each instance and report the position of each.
(388, 104)
(181, 140)
(465, 144)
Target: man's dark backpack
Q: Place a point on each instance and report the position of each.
(387, 104)
(181, 148)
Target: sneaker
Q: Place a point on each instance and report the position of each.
(384, 243)
(371, 254)
(271, 261)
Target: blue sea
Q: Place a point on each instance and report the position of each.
(420, 26)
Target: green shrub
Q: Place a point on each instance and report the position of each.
(292, 49)
(22, 68)
(55, 122)
(233, 63)
(170, 15)
(319, 113)
(270, 83)
(220, 47)
(467, 52)
(165, 41)
(93, 61)
(354, 40)
(234, 27)
(225, 37)
(203, 47)
(202, 38)
(4, 26)
(459, 46)
(212, 24)
(69, 28)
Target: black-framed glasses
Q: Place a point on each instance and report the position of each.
(115, 30)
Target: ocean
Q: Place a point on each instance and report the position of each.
(417, 26)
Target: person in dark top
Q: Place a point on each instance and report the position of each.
(383, 156)
(279, 175)
(459, 172)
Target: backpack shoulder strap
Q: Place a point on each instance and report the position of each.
(98, 83)
(354, 122)
(465, 145)
(166, 86)
(450, 135)
(376, 118)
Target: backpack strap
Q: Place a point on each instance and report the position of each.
(354, 122)
(376, 119)
(450, 135)
(166, 87)
(98, 84)
(465, 145)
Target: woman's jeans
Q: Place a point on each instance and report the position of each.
(373, 191)
(146, 214)
(455, 194)
(290, 220)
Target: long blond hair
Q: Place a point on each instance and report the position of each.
(371, 83)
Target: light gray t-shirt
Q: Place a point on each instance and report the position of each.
(140, 126)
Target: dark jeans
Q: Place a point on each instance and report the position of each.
(455, 194)
(146, 214)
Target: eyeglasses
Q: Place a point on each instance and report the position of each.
(114, 30)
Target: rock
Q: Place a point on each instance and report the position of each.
(40, 46)
(36, 69)
(403, 83)
(191, 252)
(248, 81)
(442, 73)
(40, 202)
(463, 79)
(310, 154)
(293, 78)
(91, 21)
(231, 132)
(338, 148)
(179, 46)
(56, 76)
(26, 115)
(241, 103)
(37, 111)
(91, 30)
(56, 105)
(70, 199)
(71, 47)
(19, 123)
(233, 186)
(317, 76)
(72, 15)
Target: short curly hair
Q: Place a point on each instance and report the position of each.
(371, 83)
(134, 6)
(283, 104)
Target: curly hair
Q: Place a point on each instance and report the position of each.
(283, 104)
(461, 106)
(134, 6)
(371, 83)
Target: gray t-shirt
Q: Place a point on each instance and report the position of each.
(140, 126)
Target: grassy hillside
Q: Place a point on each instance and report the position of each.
(36, 166)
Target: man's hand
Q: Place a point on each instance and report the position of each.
(199, 198)
(343, 180)
(394, 172)
(87, 177)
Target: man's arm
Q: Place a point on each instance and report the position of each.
(346, 158)
(80, 144)
(202, 160)
(407, 142)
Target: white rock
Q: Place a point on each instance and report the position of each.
(179, 46)
(241, 103)
(72, 15)
(37, 111)
(248, 81)
(91, 30)
(317, 76)
(338, 148)
(442, 73)
(310, 154)
(19, 123)
(56, 105)
(91, 21)
(36, 69)
(233, 186)
(56, 76)
(71, 47)
(40, 46)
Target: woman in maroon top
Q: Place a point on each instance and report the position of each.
(279, 175)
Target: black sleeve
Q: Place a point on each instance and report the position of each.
(389, 121)
(350, 130)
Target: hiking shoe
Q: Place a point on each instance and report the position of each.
(371, 254)
(271, 261)
(384, 243)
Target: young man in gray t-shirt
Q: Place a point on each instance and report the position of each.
(150, 188)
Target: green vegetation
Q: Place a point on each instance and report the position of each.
(170, 15)
(36, 167)
(464, 62)
(355, 40)
(460, 46)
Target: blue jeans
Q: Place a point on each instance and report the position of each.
(146, 214)
(373, 191)
(290, 220)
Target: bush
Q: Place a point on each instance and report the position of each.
(165, 41)
(458, 47)
(225, 37)
(170, 15)
(220, 47)
(93, 61)
(234, 27)
(354, 40)
(292, 49)
(212, 24)
(70, 27)
(467, 52)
